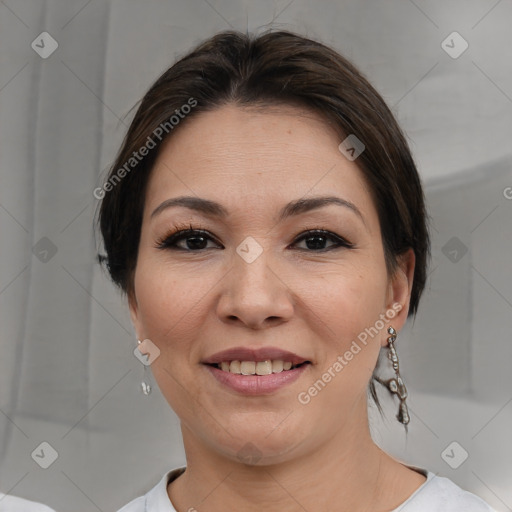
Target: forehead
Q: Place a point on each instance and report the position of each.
(275, 154)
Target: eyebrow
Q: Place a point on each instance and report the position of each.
(296, 207)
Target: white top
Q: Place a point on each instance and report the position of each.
(436, 494)
(10, 503)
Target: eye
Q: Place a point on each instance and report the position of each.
(196, 240)
(316, 238)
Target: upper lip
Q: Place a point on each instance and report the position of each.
(254, 354)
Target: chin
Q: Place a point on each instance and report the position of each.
(258, 447)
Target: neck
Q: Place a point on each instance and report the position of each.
(344, 472)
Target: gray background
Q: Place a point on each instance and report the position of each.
(67, 371)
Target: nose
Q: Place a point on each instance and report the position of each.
(255, 294)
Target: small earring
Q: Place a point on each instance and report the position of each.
(146, 381)
(396, 385)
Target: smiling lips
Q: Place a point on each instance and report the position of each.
(258, 361)
(256, 368)
(255, 371)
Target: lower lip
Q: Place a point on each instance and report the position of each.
(257, 384)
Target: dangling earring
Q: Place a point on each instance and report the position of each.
(146, 378)
(396, 385)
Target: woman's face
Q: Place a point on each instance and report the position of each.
(256, 279)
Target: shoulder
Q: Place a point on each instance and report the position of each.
(14, 504)
(137, 505)
(439, 493)
(157, 499)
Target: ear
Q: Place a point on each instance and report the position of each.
(134, 315)
(399, 291)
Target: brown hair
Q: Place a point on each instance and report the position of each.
(276, 68)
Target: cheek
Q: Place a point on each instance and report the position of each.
(349, 310)
(169, 303)
(353, 297)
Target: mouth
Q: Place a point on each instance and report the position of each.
(266, 367)
(252, 378)
(256, 370)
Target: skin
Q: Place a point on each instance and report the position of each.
(305, 300)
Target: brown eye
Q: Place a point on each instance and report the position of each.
(317, 238)
(195, 240)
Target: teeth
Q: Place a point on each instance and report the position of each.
(234, 367)
(264, 367)
(255, 368)
(248, 367)
(277, 366)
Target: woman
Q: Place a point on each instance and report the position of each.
(266, 221)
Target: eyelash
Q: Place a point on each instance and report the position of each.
(184, 231)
